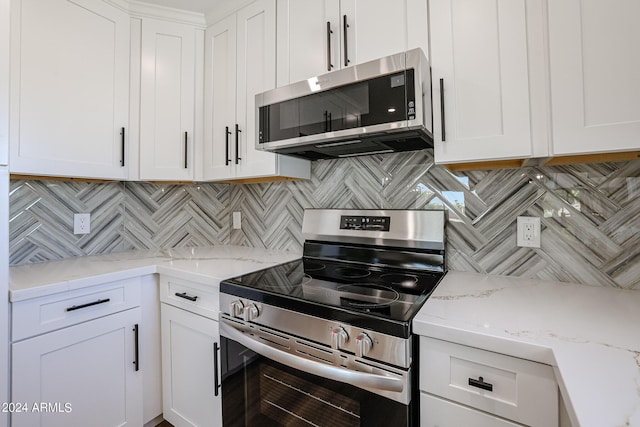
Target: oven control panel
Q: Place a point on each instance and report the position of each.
(369, 223)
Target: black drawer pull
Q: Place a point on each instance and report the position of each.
(329, 32)
(216, 380)
(136, 350)
(444, 137)
(123, 147)
(89, 304)
(480, 384)
(185, 296)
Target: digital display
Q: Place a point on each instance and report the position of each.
(369, 223)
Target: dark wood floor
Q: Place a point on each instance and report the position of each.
(165, 424)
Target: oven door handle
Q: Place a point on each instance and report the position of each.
(360, 379)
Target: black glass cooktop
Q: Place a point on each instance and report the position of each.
(377, 298)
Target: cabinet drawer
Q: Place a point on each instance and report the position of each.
(436, 412)
(510, 387)
(194, 297)
(39, 315)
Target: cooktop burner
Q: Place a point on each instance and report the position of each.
(368, 296)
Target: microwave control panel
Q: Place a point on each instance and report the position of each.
(369, 223)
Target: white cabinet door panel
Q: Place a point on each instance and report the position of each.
(256, 72)
(188, 352)
(86, 369)
(436, 412)
(302, 28)
(479, 50)
(376, 28)
(167, 101)
(594, 66)
(70, 88)
(220, 98)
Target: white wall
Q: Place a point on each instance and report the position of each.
(4, 206)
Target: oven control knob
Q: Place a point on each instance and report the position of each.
(237, 308)
(339, 338)
(363, 344)
(251, 312)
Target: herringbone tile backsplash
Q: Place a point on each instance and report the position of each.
(590, 214)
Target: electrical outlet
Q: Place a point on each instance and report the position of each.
(237, 221)
(81, 223)
(528, 231)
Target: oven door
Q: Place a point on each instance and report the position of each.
(262, 386)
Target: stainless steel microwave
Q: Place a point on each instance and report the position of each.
(380, 106)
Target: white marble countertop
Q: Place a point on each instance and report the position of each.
(196, 264)
(590, 335)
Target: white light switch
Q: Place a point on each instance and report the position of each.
(528, 231)
(237, 223)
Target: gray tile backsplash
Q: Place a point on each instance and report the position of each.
(589, 214)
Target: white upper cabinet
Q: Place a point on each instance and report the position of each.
(167, 101)
(594, 49)
(69, 88)
(240, 56)
(480, 80)
(315, 37)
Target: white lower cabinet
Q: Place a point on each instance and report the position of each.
(82, 375)
(466, 386)
(89, 356)
(436, 412)
(190, 349)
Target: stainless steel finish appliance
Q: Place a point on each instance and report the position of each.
(379, 106)
(327, 339)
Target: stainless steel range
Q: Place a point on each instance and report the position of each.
(326, 340)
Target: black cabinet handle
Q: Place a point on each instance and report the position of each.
(78, 307)
(122, 148)
(185, 296)
(329, 32)
(442, 109)
(237, 153)
(136, 360)
(216, 380)
(480, 384)
(185, 150)
(346, 43)
(227, 160)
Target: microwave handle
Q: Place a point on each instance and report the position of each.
(329, 32)
(359, 379)
(442, 110)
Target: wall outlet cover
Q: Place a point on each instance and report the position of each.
(528, 233)
(81, 223)
(237, 221)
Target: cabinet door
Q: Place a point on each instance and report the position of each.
(374, 29)
(167, 101)
(70, 88)
(479, 53)
(308, 39)
(220, 99)
(594, 68)
(189, 345)
(84, 373)
(256, 72)
(436, 412)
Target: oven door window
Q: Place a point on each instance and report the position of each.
(259, 392)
